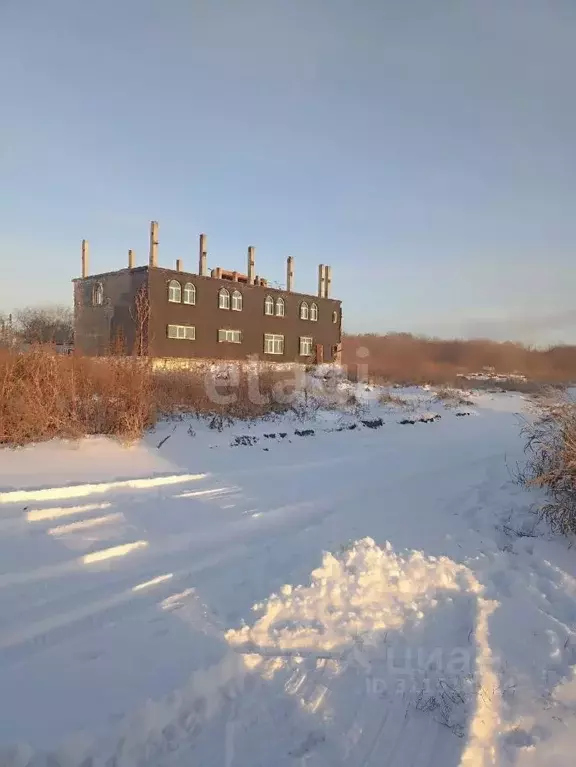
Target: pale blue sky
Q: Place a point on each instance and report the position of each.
(424, 148)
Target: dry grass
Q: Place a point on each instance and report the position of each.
(452, 398)
(406, 359)
(238, 393)
(45, 395)
(551, 464)
(393, 400)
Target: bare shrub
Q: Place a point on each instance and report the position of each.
(354, 406)
(306, 402)
(45, 395)
(393, 400)
(452, 398)
(45, 324)
(551, 464)
(7, 335)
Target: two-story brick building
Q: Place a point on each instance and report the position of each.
(171, 314)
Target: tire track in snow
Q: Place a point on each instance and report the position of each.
(82, 491)
(211, 543)
(37, 635)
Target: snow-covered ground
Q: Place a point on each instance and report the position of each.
(362, 595)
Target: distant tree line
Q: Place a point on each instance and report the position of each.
(406, 358)
(37, 325)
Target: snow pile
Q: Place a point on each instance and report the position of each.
(368, 590)
(415, 627)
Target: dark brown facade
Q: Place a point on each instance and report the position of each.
(171, 314)
(108, 326)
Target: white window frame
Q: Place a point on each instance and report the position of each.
(181, 332)
(269, 306)
(223, 298)
(304, 311)
(237, 301)
(273, 343)
(174, 292)
(189, 294)
(98, 294)
(306, 346)
(335, 317)
(280, 304)
(229, 336)
(314, 312)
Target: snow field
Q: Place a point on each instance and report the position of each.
(409, 610)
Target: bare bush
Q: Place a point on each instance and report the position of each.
(45, 325)
(551, 464)
(6, 330)
(307, 402)
(45, 395)
(452, 398)
(354, 406)
(393, 400)
(408, 405)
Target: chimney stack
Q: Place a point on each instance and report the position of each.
(321, 281)
(179, 267)
(131, 259)
(202, 271)
(290, 274)
(85, 253)
(251, 265)
(154, 243)
(327, 281)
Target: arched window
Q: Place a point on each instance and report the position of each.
(223, 299)
(174, 292)
(335, 317)
(189, 293)
(269, 306)
(304, 313)
(314, 312)
(98, 294)
(236, 301)
(280, 307)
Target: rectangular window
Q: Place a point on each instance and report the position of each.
(230, 336)
(273, 344)
(182, 332)
(306, 344)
